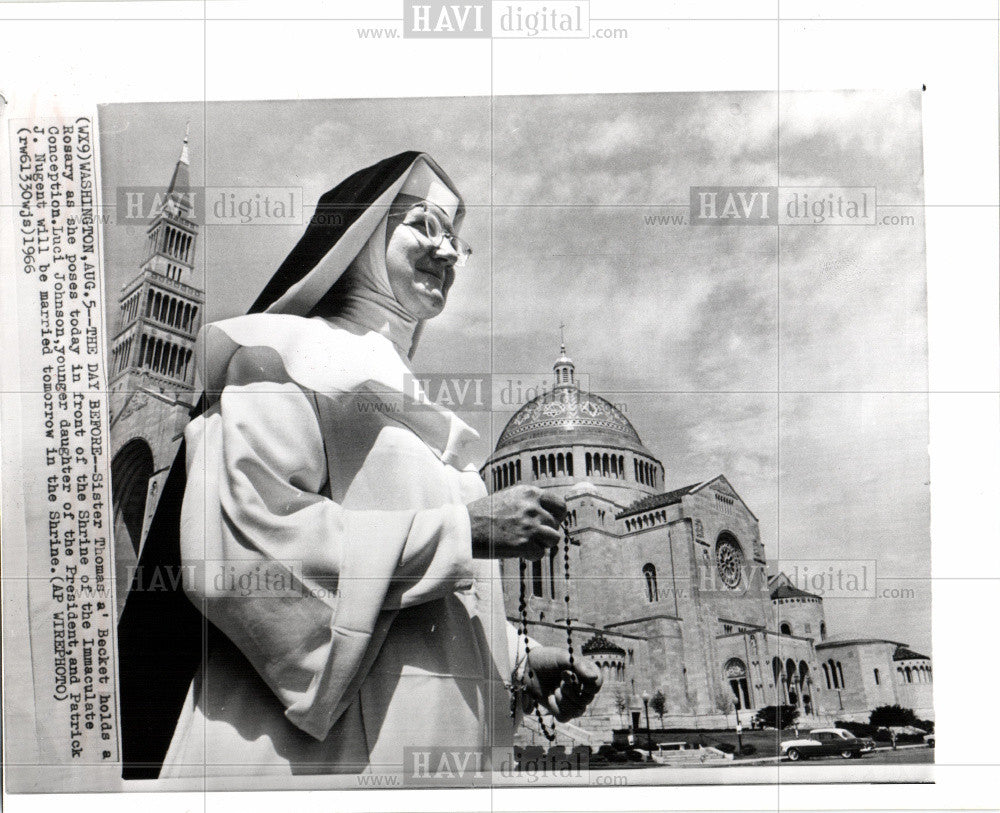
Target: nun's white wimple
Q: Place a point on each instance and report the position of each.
(426, 180)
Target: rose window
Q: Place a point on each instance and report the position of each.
(729, 560)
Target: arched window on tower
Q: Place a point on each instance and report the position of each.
(786, 628)
(840, 674)
(536, 578)
(649, 572)
(826, 674)
(569, 463)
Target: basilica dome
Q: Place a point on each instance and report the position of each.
(566, 415)
(567, 438)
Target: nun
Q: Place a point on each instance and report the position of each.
(334, 535)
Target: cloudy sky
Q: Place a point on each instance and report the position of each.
(792, 360)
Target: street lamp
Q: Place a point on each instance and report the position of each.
(649, 736)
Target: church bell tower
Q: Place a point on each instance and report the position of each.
(160, 310)
(151, 362)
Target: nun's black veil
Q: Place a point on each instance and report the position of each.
(162, 636)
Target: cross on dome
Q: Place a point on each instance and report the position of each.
(564, 367)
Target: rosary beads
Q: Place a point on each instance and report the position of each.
(549, 733)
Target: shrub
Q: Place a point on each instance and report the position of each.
(885, 716)
(776, 716)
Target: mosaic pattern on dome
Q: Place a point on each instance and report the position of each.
(566, 408)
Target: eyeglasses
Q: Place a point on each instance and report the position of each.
(429, 226)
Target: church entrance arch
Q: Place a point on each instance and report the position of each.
(736, 674)
(131, 469)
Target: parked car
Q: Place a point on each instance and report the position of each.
(826, 742)
(608, 753)
(929, 739)
(680, 753)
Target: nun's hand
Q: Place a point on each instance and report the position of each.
(562, 689)
(521, 522)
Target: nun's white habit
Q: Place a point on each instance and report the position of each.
(325, 517)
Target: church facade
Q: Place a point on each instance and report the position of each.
(669, 588)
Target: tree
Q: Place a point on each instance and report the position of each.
(659, 705)
(621, 703)
(724, 702)
(776, 716)
(888, 716)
